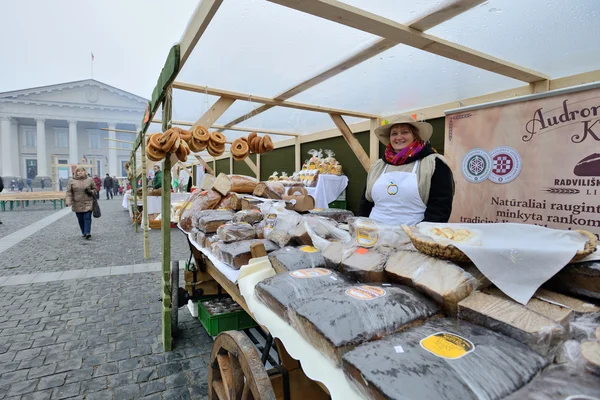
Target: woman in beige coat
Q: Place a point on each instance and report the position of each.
(81, 191)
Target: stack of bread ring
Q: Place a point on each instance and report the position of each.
(242, 147)
(182, 142)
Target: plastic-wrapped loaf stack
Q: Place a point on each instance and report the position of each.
(294, 258)
(560, 382)
(199, 201)
(280, 223)
(208, 221)
(442, 359)
(239, 253)
(235, 231)
(335, 214)
(279, 291)
(442, 280)
(342, 318)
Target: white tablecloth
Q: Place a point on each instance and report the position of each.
(328, 189)
(154, 202)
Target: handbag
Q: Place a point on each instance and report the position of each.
(96, 209)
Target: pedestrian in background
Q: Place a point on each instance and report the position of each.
(108, 185)
(80, 197)
(1, 189)
(43, 184)
(115, 186)
(29, 188)
(20, 184)
(98, 183)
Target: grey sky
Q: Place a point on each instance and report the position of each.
(45, 42)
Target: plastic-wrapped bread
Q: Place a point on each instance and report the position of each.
(237, 254)
(225, 184)
(335, 214)
(205, 240)
(585, 326)
(208, 221)
(279, 225)
(369, 233)
(590, 350)
(540, 333)
(442, 280)
(559, 382)
(364, 265)
(279, 291)
(323, 231)
(269, 190)
(294, 258)
(199, 201)
(249, 216)
(557, 313)
(333, 255)
(579, 279)
(226, 203)
(337, 320)
(236, 231)
(301, 236)
(443, 359)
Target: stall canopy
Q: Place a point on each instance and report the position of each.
(380, 57)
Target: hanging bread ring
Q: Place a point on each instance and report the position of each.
(200, 133)
(244, 138)
(153, 154)
(251, 136)
(185, 135)
(259, 145)
(218, 138)
(268, 143)
(239, 148)
(168, 140)
(164, 138)
(254, 144)
(216, 147)
(196, 145)
(214, 152)
(176, 145)
(240, 158)
(153, 140)
(181, 152)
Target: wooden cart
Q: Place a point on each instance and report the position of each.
(237, 368)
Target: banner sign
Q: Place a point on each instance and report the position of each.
(535, 162)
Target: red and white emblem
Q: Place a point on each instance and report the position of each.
(506, 164)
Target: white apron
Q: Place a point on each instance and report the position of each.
(397, 200)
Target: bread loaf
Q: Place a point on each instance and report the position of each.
(364, 265)
(559, 382)
(337, 320)
(199, 201)
(237, 254)
(580, 279)
(249, 216)
(210, 220)
(226, 202)
(335, 214)
(232, 232)
(264, 191)
(444, 359)
(293, 258)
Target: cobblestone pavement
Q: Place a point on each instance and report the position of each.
(94, 338)
(60, 247)
(19, 217)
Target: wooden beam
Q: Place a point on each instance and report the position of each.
(373, 141)
(381, 45)
(214, 112)
(352, 141)
(120, 141)
(258, 167)
(206, 167)
(204, 13)
(368, 22)
(267, 100)
(235, 128)
(251, 164)
(119, 130)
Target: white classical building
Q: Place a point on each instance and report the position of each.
(61, 124)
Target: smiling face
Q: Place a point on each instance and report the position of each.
(401, 135)
(80, 173)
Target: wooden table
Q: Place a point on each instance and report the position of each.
(25, 197)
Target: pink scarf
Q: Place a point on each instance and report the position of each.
(403, 155)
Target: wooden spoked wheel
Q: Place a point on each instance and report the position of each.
(236, 371)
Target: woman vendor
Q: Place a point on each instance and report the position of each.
(411, 183)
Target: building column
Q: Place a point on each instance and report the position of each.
(112, 152)
(5, 142)
(73, 152)
(42, 155)
(16, 150)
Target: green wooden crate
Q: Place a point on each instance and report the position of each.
(215, 324)
(338, 204)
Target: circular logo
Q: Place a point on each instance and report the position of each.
(392, 189)
(506, 164)
(310, 273)
(476, 165)
(365, 292)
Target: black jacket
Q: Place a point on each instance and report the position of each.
(108, 182)
(1, 184)
(439, 205)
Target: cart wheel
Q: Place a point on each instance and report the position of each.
(174, 297)
(236, 372)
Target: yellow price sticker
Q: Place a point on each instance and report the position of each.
(447, 345)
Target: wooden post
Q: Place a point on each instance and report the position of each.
(166, 228)
(214, 167)
(230, 164)
(258, 167)
(145, 199)
(134, 191)
(373, 141)
(297, 155)
(352, 141)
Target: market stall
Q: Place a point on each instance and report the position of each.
(463, 305)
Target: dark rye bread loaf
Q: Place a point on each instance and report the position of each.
(237, 254)
(443, 359)
(560, 382)
(279, 291)
(580, 279)
(335, 214)
(337, 320)
(208, 221)
(293, 258)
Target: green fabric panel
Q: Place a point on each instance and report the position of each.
(352, 168)
(222, 166)
(280, 160)
(166, 77)
(241, 168)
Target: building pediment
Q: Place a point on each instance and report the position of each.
(81, 94)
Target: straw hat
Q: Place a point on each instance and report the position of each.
(383, 132)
